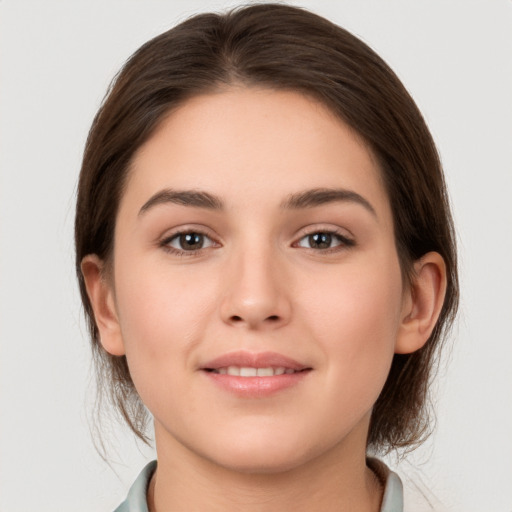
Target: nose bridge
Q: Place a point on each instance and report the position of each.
(255, 294)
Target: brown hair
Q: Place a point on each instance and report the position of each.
(279, 47)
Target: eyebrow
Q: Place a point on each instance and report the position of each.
(320, 196)
(194, 198)
(299, 200)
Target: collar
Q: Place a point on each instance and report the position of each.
(392, 500)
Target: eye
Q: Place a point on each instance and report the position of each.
(188, 242)
(323, 240)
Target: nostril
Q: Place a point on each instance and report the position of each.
(238, 319)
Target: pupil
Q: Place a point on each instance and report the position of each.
(320, 240)
(191, 241)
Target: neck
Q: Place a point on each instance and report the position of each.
(338, 481)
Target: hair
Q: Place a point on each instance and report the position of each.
(278, 47)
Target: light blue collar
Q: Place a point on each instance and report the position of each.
(136, 499)
(392, 501)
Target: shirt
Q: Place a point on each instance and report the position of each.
(392, 500)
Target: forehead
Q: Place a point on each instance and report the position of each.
(253, 144)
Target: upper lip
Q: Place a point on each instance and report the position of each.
(253, 360)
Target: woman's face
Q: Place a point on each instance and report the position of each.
(255, 237)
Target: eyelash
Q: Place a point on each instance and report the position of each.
(165, 243)
(344, 242)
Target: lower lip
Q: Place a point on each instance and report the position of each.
(256, 387)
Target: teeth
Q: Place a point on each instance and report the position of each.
(265, 372)
(247, 371)
(233, 370)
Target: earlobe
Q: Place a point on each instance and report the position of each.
(101, 296)
(423, 304)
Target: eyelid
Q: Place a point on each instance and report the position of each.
(178, 236)
(346, 238)
(325, 228)
(170, 235)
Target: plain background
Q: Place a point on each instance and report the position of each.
(56, 60)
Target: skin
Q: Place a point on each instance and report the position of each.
(260, 284)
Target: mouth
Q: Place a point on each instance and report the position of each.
(255, 375)
(254, 364)
(249, 371)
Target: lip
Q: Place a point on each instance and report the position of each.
(255, 387)
(254, 360)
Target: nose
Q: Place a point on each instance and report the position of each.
(256, 293)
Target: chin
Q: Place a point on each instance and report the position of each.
(261, 463)
(260, 455)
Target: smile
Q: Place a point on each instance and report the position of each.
(249, 375)
(247, 371)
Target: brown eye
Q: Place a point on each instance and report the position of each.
(320, 240)
(191, 241)
(323, 240)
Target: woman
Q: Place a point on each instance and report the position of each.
(266, 257)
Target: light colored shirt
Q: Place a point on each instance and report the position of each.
(392, 501)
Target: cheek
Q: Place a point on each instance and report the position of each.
(355, 319)
(154, 297)
(162, 315)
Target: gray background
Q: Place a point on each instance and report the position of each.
(56, 60)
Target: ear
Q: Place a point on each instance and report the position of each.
(422, 304)
(101, 296)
